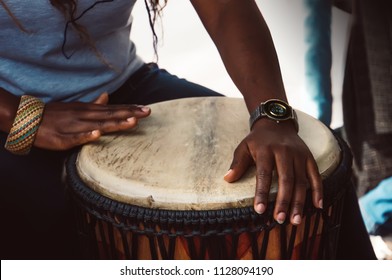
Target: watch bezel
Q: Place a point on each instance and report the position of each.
(269, 110)
(263, 110)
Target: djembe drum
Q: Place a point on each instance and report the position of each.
(157, 191)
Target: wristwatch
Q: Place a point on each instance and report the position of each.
(274, 109)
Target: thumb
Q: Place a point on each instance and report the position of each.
(241, 161)
(103, 99)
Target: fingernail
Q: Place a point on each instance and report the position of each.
(228, 172)
(297, 219)
(260, 208)
(145, 109)
(132, 119)
(281, 217)
(95, 133)
(320, 204)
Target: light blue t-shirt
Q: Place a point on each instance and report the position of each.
(33, 62)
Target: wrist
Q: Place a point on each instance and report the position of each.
(274, 110)
(266, 124)
(25, 125)
(8, 107)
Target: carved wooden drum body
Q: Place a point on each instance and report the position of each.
(157, 191)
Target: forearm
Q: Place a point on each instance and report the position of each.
(8, 107)
(244, 42)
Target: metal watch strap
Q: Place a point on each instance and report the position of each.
(255, 115)
(259, 113)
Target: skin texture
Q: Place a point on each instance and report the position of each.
(79, 123)
(67, 125)
(244, 42)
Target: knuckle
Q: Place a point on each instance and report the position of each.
(264, 174)
(120, 123)
(240, 149)
(286, 179)
(285, 148)
(297, 206)
(237, 150)
(124, 124)
(283, 204)
(240, 155)
(110, 112)
(262, 194)
(318, 192)
(63, 144)
(100, 124)
(301, 185)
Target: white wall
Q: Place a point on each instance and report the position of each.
(186, 50)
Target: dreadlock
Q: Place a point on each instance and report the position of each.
(156, 10)
(69, 8)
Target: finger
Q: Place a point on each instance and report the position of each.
(316, 183)
(103, 99)
(104, 126)
(99, 105)
(285, 170)
(69, 141)
(87, 137)
(114, 126)
(146, 110)
(264, 174)
(241, 161)
(299, 194)
(115, 112)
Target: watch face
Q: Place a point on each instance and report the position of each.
(277, 110)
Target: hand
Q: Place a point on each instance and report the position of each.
(67, 125)
(272, 146)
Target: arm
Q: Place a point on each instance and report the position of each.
(8, 106)
(66, 125)
(246, 47)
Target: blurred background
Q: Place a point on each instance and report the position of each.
(184, 43)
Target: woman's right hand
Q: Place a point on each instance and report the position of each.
(67, 125)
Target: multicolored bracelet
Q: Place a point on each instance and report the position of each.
(25, 127)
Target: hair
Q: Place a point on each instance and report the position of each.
(68, 9)
(156, 8)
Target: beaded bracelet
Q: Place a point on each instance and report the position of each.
(25, 127)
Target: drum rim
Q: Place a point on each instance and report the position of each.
(120, 165)
(96, 203)
(340, 176)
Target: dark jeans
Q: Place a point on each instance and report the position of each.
(35, 219)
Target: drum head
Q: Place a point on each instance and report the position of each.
(176, 158)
